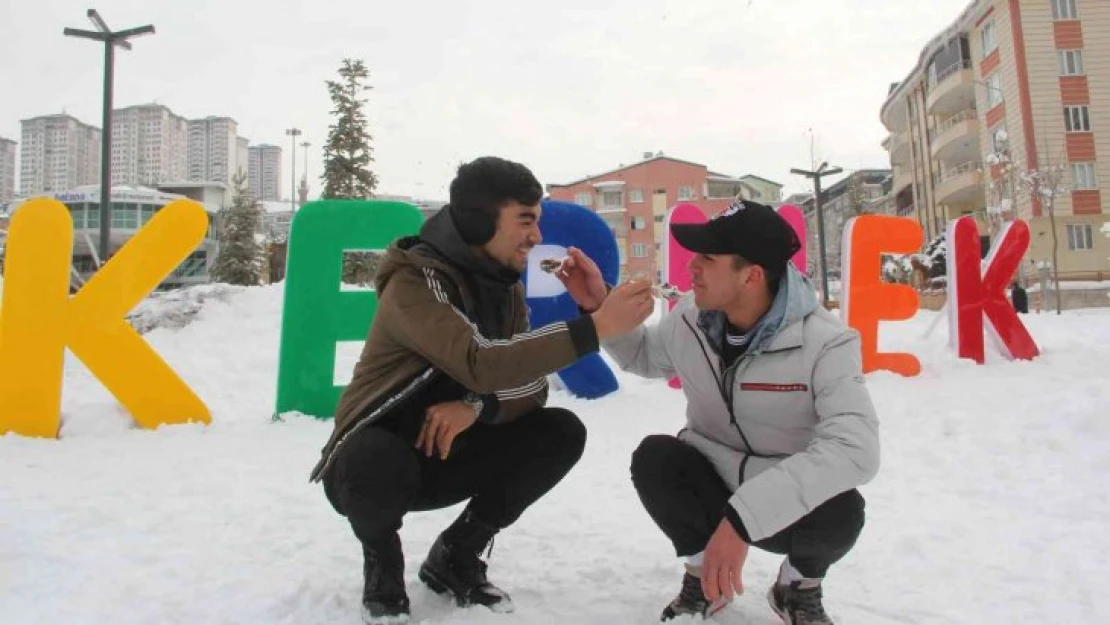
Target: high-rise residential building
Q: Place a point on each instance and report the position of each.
(7, 170)
(57, 152)
(1011, 87)
(149, 146)
(264, 174)
(213, 149)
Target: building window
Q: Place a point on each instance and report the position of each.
(583, 199)
(611, 199)
(636, 196)
(686, 193)
(124, 215)
(639, 222)
(1071, 62)
(994, 90)
(1064, 10)
(1077, 118)
(987, 38)
(1083, 176)
(639, 250)
(1080, 237)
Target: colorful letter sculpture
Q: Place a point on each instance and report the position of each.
(677, 258)
(317, 314)
(973, 295)
(865, 301)
(564, 225)
(40, 319)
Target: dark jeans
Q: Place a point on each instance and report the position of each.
(379, 475)
(686, 498)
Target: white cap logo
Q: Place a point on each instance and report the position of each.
(732, 209)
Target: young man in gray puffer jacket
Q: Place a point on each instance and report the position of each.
(780, 428)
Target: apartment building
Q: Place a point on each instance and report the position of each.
(7, 171)
(264, 172)
(1024, 80)
(149, 146)
(634, 201)
(214, 150)
(57, 152)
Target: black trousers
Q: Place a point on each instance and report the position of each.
(379, 475)
(686, 498)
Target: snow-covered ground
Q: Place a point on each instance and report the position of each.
(991, 505)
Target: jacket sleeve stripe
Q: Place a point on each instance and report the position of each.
(433, 284)
(522, 391)
(441, 297)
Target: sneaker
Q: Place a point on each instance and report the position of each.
(453, 566)
(799, 603)
(384, 601)
(690, 600)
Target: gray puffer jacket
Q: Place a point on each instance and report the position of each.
(801, 428)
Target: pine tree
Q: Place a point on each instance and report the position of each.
(347, 158)
(240, 259)
(347, 154)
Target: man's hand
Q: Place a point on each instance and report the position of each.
(626, 307)
(724, 562)
(442, 423)
(582, 279)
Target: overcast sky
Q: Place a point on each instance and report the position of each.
(574, 88)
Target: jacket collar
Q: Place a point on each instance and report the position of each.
(780, 327)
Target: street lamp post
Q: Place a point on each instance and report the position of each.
(110, 39)
(816, 177)
(293, 133)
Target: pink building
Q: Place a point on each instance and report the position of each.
(635, 199)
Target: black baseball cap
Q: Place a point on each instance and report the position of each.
(748, 229)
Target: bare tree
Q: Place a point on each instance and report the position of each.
(857, 196)
(1000, 189)
(1045, 185)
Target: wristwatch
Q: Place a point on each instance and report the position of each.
(475, 401)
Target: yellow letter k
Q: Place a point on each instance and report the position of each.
(39, 319)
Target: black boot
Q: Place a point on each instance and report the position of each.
(690, 600)
(453, 565)
(384, 601)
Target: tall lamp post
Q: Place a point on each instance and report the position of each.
(293, 133)
(110, 39)
(816, 176)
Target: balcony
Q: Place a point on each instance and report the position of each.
(616, 219)
(960, 184)
(952, 90)
(898, 145)
(894, 113)
(903, 177)
(956, 139)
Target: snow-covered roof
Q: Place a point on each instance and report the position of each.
(91, 193)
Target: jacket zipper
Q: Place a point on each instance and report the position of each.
(726, 395)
